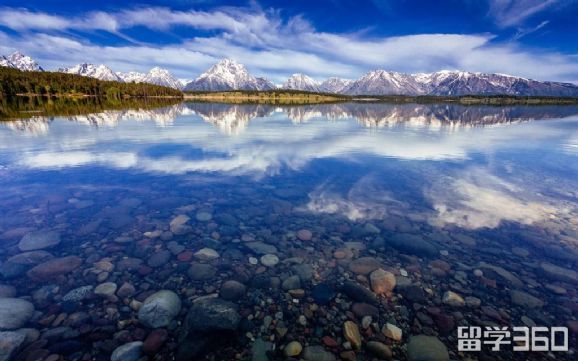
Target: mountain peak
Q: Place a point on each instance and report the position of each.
(228, 74)
(20, 61)
(300, 81)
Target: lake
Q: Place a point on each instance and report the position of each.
(236, 231)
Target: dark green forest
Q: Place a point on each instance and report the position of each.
(14, 82)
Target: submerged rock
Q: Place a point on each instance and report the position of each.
(54, 267)
(10, 342)
(18, 265)
(453, 299)
(317, 353)
(159, 309)
(413, 244)
(426, 348)
(14, 313)
(211, 313)
(128, 352)
(525, 299)
(382, 282)
(364, 265)
(39, 240)
(557, 273)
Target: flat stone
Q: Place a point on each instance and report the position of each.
(17, 265)
(206, 254)
(159, 309)
(269, 260)
(10, 342)
(179, 225)
(524, 299)
(473, 302)
(413, 244)
(351, 334)
(39, 240)
(155, 341)
(78, 294)
(453, 299)
(261, 248)
(557, 273)
(54, 267)
(128, 352)
(364, 265)
(426, 348)
(382, 282)
(211, 313)
(380, 350)
(159, 259)
(232, 290)
(291, 283)
(362, 309)
(317, 353)
(14, 313)
(201, 272)
(126, 290)
(203, 216)
(106, 289)
(292, 349)
(503, 273)
(392, 331)
(358, 293)
(304, 235)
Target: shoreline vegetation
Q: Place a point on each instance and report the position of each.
(34, 91)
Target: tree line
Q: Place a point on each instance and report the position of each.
(16, 82)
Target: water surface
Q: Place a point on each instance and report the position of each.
(477, 200)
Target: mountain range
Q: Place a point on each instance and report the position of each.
(228, 74)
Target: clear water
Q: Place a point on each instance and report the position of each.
(492, 188)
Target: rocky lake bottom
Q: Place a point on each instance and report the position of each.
(206, 231)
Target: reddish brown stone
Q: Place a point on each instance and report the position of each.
(304, 235)
(54, 267)
(155, 341)
(329, 342)
(185, 256)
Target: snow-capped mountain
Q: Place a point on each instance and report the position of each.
(132, 76)
(334, 85)
(20, 61)
(156, 75)
(454, 83)
(381, 82)
(227, 74)
(301, 82)
(101, 72)
(163, 77)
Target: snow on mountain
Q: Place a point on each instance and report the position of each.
(334, 85)
(101, 72)
(454, 83)
(301, 82)
(163, 77)
(20, 61)
(132, 76)
(265, 84)
(227, 74)
(381, 82)
(156, 75)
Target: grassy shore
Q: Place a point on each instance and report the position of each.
(266, 97)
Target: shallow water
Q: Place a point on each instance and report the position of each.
(480, 201)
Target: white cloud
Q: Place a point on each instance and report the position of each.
(478, 199)
(507, 13)
(270, 45)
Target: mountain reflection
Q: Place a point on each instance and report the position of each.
(232, 119)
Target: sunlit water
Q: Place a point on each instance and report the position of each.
(481, 201)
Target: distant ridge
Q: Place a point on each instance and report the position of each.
(228, 74)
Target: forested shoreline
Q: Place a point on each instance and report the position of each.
(14, 82)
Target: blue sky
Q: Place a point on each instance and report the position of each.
(346, 38)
